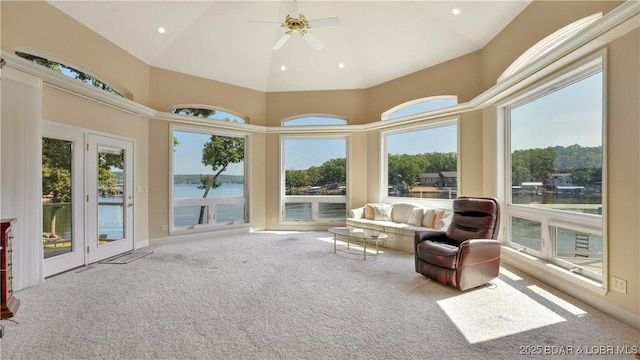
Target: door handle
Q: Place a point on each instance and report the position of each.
(130, 205)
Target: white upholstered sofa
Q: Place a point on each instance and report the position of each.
(399, 221)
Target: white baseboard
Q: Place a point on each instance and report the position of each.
(141, 244)
(554, 279)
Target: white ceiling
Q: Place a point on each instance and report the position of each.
(377, 41)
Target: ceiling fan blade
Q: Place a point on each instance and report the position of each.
(313, 41)
(326, 22)
(265, 23)
(293, 8)
(281, 41)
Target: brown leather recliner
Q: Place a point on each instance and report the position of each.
(467, 254)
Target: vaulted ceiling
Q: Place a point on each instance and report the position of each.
(231, 41)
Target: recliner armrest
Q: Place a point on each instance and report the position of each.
(478, 250)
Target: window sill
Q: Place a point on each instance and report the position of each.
(551, 274)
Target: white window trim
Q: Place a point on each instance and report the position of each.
(320, 115)
(385, 115)
(127, 94)
(210, 202)
(384, 166)
(592, 64)
(208, 107)
(549, 43)
(315, 200)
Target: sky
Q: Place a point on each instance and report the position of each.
(568, 116)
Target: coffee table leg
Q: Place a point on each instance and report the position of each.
(334, 243)
(364, 245)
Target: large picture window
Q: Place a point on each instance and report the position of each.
(556, 157)
(315, 178)
(423, 162)
(208, 185)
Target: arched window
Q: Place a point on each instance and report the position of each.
(209, 112)
(308, 120)
(549, 43)
(419, 106)
(72, 72)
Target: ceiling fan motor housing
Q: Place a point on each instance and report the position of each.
(299, 25)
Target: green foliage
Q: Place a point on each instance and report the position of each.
(56, 169)
(107, 178)
(64, 69)
(203, 113)
(218, 153)
(583, 163)
(56, 176)
(406, 169)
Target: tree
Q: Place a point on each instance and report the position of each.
(198, 112)
(107, 181)
(56, 176)
(334, 171)
(295, 178)
(218, 153)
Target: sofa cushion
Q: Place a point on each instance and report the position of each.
(416, 216)
(402, 212)
(382, 212)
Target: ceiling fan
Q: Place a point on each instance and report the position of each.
(298, 24)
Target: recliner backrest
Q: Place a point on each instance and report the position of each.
(474, 218)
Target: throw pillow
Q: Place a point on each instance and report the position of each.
(369, 211)
(416, 216)
(440, 214)
(427, 219)
(443, 224)
(382, 212)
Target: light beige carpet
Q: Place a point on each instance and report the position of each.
(288, 296)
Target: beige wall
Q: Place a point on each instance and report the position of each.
(466, 76)
(540, 19)
(36, 25)
(169, 88)
(460, 76)
(623, 156)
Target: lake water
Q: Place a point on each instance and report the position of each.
(190, 191)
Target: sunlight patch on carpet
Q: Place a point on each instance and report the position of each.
(509, 312)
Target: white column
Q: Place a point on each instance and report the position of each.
(21, 171)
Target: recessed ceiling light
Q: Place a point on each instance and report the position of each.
(161, 30)
(341, 65)
(283, 68)
(456, 11)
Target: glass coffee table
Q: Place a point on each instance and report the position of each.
(358, 236)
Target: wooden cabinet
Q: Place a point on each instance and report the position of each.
(8, 303)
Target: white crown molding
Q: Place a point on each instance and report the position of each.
(76, 87)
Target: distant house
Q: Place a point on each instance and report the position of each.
(442, 179)
(561, 179)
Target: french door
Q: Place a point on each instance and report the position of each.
(109, 197)
(87, 197)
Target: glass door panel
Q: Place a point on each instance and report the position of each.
(111, 202)
(57, 197)
(62, 193)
